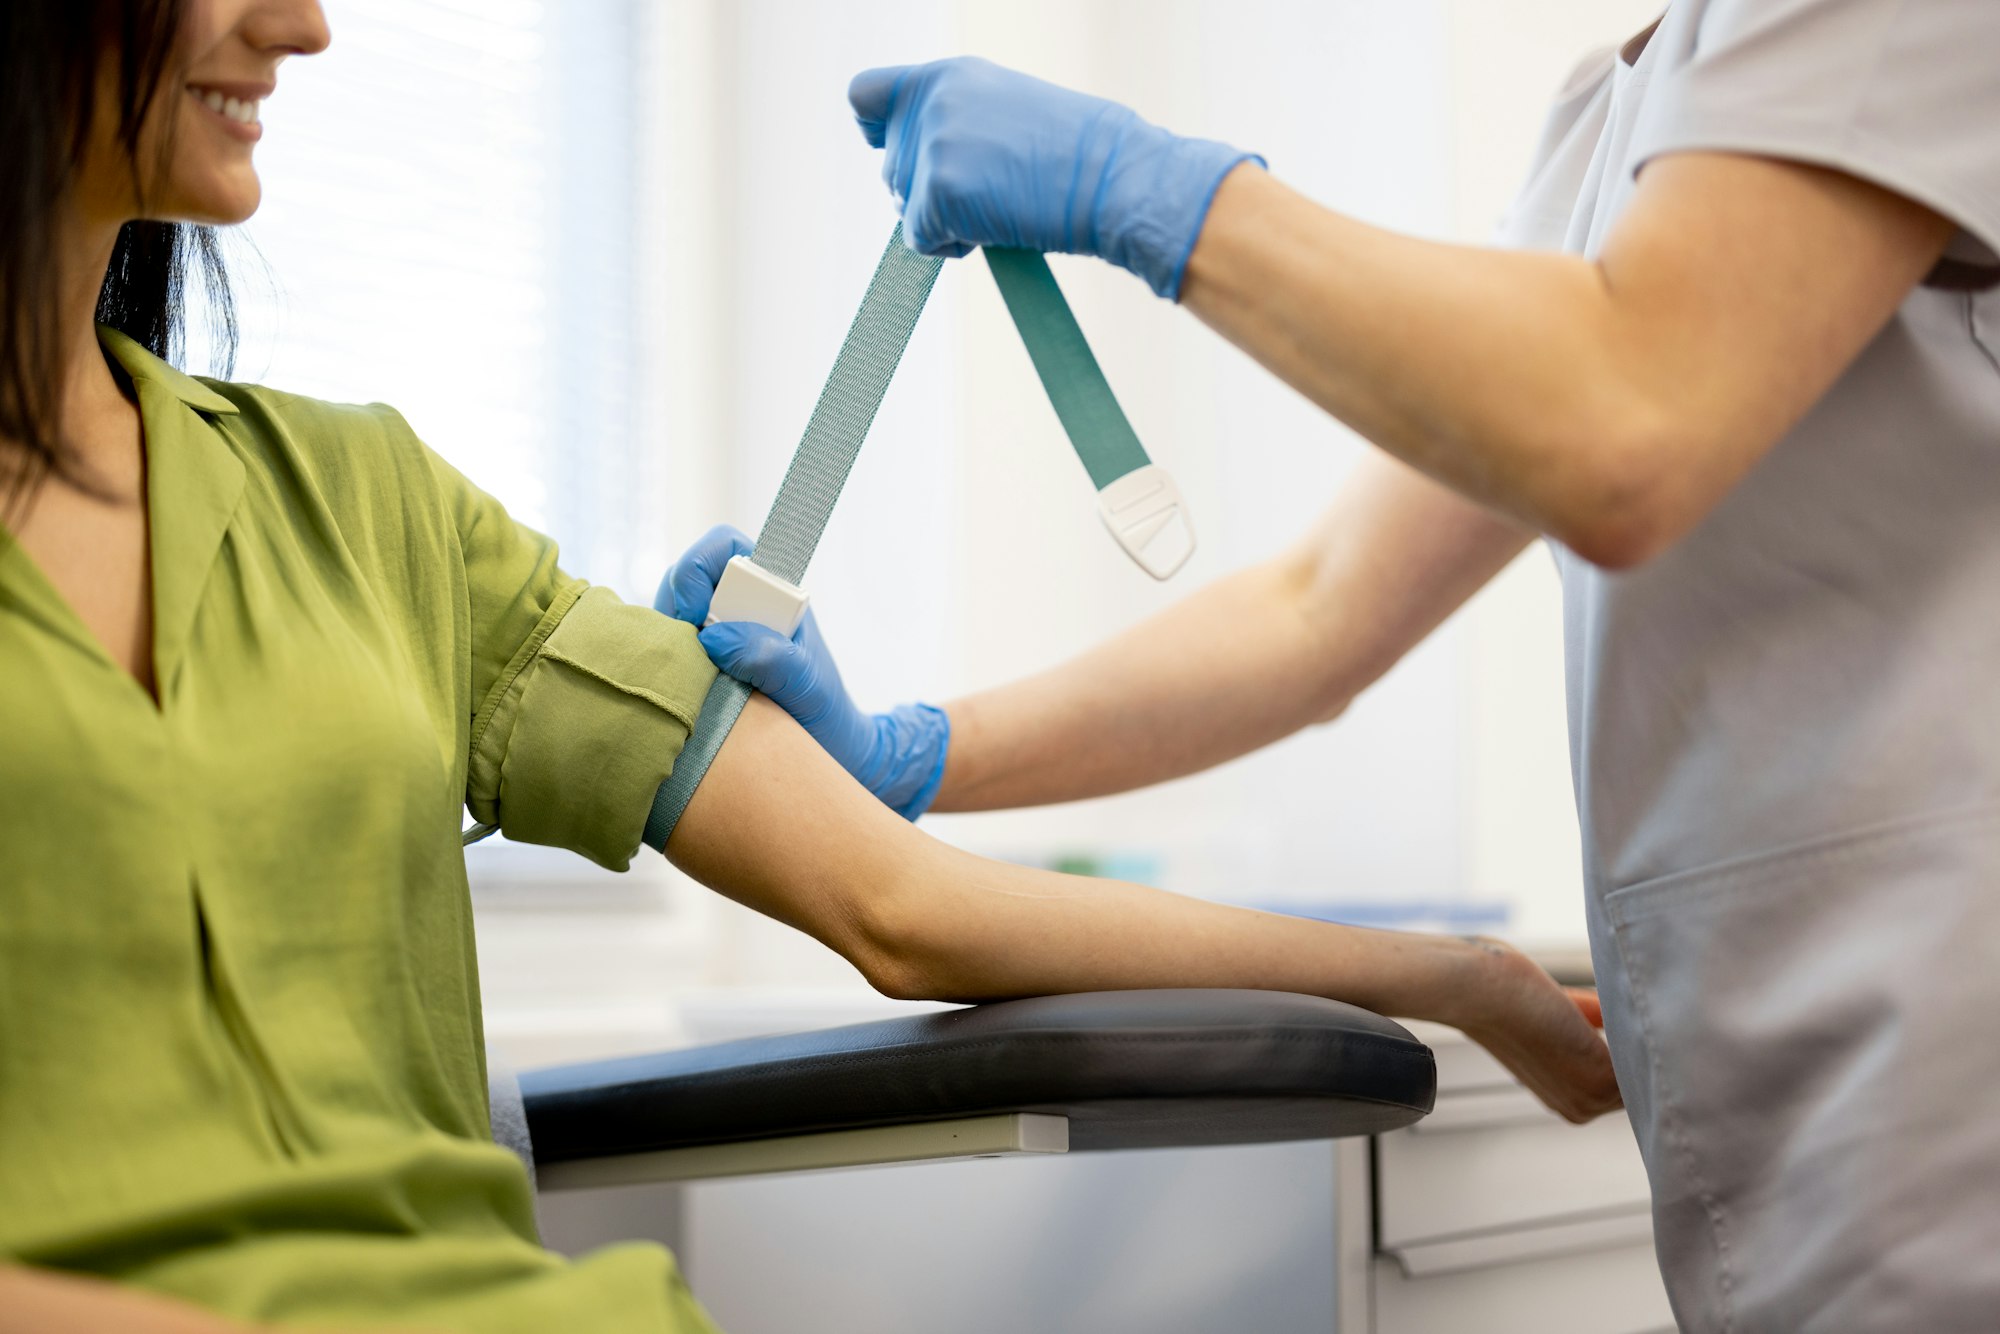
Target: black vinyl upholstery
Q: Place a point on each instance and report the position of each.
(1130, 1069)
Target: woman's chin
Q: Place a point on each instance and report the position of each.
(219, 204)
(207, 193)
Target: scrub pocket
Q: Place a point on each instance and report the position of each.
(1819, 1098)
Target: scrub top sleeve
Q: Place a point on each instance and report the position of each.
(1901, 93)
(583, 701)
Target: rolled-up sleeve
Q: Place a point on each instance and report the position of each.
(1902, 93)
(586, 724)
(584, 701)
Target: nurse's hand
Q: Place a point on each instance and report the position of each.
(899, 756)
(981, 155)
(1547, 1035)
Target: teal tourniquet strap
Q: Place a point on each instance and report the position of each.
(1133, 494)
(846, 409)
(1083, 400)
(1138, 501)
(839, 423)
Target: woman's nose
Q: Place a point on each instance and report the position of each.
(287, 27)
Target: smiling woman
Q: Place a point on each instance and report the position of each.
(77, 107)
(124, 170)
(239, 105)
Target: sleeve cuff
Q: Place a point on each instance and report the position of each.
(585, 724)
(1932, 177)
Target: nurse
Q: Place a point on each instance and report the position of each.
(1741, 368)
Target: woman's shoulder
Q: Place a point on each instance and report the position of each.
(348, 456)
(331, 436)
(358, 466)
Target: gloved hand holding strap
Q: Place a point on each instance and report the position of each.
(840, 420)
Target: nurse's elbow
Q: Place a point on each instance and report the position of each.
(1616, 539)
(1623, 503)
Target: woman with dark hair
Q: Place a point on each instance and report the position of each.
(256, 653)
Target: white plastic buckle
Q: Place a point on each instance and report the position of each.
(749, 592)
(1144, 512)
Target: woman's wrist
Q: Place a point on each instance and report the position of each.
(1488, 971)
(1458, 981)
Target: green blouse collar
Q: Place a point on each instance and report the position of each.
(194, 482)
(145, 368)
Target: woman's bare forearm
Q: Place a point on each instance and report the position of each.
(778, 826)
(1242, 662)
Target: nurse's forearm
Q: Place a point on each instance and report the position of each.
(1213, 677)
(1607, 402)
(780, 827)
(1241, 663)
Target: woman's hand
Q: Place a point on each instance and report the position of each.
(899, 755)
(981, 155)
(1547, 1035)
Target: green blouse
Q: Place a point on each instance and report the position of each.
(240, 1047)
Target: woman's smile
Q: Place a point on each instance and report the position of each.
(234, 105)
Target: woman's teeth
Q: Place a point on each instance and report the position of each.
(244, 112)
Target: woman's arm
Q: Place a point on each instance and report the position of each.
(1607, 402)
(779, 826)
(1249, 659)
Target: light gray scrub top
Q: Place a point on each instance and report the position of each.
(1786, 730)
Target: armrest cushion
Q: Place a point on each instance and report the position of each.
(1130, 1069)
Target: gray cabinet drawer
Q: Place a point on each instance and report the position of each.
(1501, 1165)
(1599, 1292)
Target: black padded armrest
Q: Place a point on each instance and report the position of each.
(1130, 1069)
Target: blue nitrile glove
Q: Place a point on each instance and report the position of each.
(899, 755)
(981, 155)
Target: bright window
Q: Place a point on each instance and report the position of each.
(448, 227)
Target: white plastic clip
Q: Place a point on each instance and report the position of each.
(1144, 512)
(749, 592)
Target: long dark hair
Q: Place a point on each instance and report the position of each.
(51, 55)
